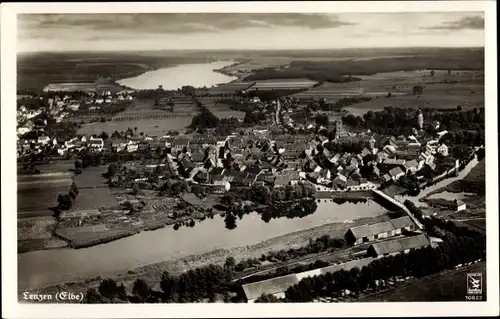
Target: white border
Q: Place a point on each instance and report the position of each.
(10, 307)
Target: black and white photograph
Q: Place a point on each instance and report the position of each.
(321, 156)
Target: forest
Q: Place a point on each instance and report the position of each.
(346, 70)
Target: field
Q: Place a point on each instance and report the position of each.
(91, 177)
(85, 236)
(36, 234)
(464, 88)
(35, 194)
(292, 84)
(151, 127)
(94, 198)
(221, 110)
(333, 70)
(147, 119)
(451, 286)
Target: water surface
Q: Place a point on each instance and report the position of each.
(173, 78)
(44, 268)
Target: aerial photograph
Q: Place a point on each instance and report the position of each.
(251, 157)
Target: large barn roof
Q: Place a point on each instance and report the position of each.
(400, 244)
(378, 228)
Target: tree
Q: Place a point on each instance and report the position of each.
(64, 201)
(104, 135)
(78, 164)
(122, 293)
(141, 289)
(92, 296)
(168, 285)
(112, 169)
(266, 298)
(135, 189)
(108, 288)
(230, 263)
(322, 119)
(230, 221)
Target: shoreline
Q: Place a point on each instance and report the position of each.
(152, 272)
(152, 69)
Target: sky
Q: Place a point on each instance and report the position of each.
(258, 31)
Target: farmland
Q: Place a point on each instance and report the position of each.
(37, 234)
(464, 88)
(334, 70)
(147, 119)
(220, 109)
(36, 193)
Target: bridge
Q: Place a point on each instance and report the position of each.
(400, 205)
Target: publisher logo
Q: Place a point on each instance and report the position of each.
(474, 284)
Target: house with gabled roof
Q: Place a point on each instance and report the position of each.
(335, 158)
(370, 232)
(396, 246)
(411, 166)
(396, 173)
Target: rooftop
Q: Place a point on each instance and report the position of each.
(400, 244)
(374, 229)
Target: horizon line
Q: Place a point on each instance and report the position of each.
(222, 50)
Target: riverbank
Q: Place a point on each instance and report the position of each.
(473, 182)
(197, 75)
(228, 70)
(152, 272)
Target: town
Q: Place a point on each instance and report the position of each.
(284, 154)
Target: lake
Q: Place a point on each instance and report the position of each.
(39, 269)
(173, 78)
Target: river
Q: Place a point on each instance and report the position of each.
(40, 269)
(173, 78)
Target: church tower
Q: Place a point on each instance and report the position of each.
(420, 119)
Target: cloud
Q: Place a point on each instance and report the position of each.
(172, 22)
(474, 23)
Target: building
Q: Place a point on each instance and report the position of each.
(132, 147)
(339, 130)
(96, 144)
(277, 286)
(420, 119)
(411, 166)
(396, 173)
(43, 140)
(178, 144)
(367, 233)
(396, 246)
(443, 149)
(459, 205)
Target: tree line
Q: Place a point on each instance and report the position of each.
(460, 245)
(65, 201)
(401, 121)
